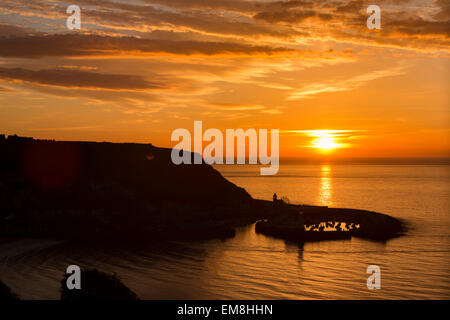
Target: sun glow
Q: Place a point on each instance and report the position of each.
(326, 141)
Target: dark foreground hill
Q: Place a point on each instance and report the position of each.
(87, 189)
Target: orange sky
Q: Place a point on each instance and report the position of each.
(137, 70)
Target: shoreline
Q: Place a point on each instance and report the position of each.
(287, 222)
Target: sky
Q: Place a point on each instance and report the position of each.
(138, 70)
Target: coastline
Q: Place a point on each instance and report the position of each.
(108, 192)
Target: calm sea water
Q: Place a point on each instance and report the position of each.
(252, 266)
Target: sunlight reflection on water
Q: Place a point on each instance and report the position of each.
(326, 189)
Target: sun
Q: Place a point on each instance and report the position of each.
(326, 143)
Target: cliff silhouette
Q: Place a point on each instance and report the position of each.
(88, 190)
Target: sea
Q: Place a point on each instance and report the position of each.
(254, 266)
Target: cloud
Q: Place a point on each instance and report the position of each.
(333, 133)
(337, 138)
(291, 16)
(12, 30)
(35, 46)
(408, 24)
(444, 12)
(344, 85)
(418, 26)
(234, 107)
(405, 23)
(3, 89)
(80, 79)
(150, 16)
